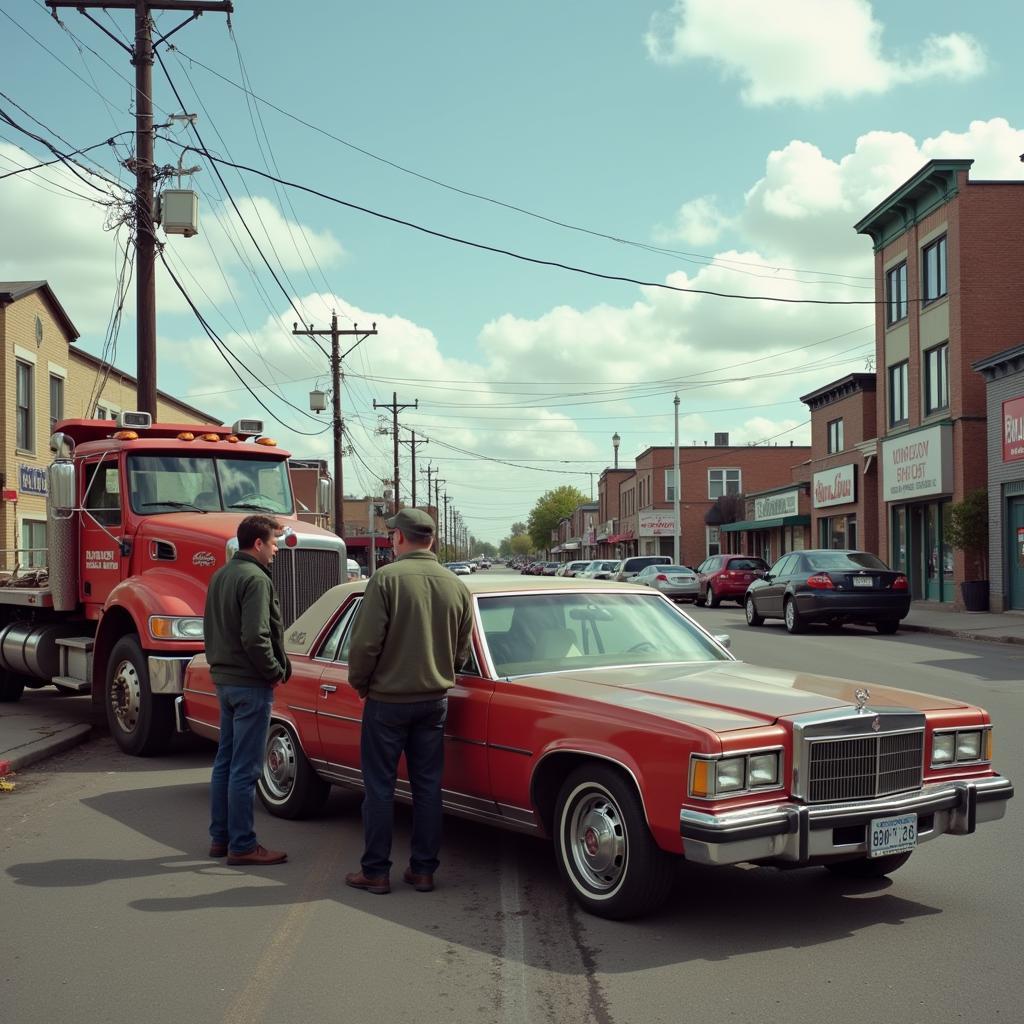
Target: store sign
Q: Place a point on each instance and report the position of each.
(918, 465)
(1013, 429)
(834, 486)
(605, 530)
(775, 505)
(31, 479)
(656, 523)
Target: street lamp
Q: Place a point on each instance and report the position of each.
(615, 444)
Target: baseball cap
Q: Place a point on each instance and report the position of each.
(411, 521)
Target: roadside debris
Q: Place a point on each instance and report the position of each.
(6, 786)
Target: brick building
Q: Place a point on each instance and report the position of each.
(45, 379)
(843, 466)
(948, 272)
(608, 512)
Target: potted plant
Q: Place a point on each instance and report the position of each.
(966, 529)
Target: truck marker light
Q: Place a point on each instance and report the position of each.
(209, 437)
(126, 435)
(186, 435)
(291, 538)
(268, 441)
(232, 439)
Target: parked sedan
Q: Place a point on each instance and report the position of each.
(459, 568)
(727, 577)
(605, 718)
(600, 570)
(829, 586)
(629, 567)
(677, 582)
(549, 568)
(571, 568)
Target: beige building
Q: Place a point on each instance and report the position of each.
(46, 379)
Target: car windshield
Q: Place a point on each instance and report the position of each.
(532, 633)
(844, 561)
(747, 563)
(168, 483)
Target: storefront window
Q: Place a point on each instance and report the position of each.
(899, 538)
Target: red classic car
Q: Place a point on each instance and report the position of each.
(601, 715)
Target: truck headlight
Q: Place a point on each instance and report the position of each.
(176, 627)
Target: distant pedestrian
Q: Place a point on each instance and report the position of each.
(244, 637)
(412, 630)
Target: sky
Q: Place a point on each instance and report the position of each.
(540, 195)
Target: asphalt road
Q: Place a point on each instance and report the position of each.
(111, 912)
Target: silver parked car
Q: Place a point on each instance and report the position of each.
(629, 567)
(678, 582)
(600, 569)
(572, 568)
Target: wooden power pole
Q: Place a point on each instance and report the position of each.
(396, 408)
(337, 423)
(145, 171)
(412, 442)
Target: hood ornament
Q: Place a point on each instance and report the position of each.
(863, 695)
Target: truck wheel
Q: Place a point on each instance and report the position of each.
(604, 848)
(11, 687)
(140, 722)
(288, 786)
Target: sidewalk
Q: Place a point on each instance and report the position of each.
(992, 627)
(41, 724)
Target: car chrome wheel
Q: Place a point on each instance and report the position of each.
(279, 763)
(709, 597)
(126, 696)
(750, 609)
(597, 840)
(288, 786)
(794, 623)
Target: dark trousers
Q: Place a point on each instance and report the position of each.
(417, 729)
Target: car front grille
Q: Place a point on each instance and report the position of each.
(302, 575)
(864, 767)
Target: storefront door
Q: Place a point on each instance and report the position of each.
(1015, 551)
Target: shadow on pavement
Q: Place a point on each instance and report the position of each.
(713, 914)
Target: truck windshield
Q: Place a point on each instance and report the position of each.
(159, 484)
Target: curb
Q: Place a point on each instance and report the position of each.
(962, 634)
(38, 750)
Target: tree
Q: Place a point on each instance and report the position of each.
(966, 528)
(518, 529)
(520, 545)
(552, 507)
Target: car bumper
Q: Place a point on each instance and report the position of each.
(803, 834)
(678, 593)
(868, 606)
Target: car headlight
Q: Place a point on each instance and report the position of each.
(711, 777)
(176, 627)
(959, 746)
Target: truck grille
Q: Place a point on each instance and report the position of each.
(302, 575)
(863, 767)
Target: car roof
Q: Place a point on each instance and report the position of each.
(301, 634)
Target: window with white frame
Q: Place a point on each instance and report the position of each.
(56, 399)
(670, 485)
(25, 405)
(835, 436)
(899, 402)
(714, 540)
(896, 293)
(933, 271)
(101, 412)
(936, 378)
(723, 481)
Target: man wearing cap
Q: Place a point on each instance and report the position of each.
(413, 628)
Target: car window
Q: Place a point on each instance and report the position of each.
(778, 568)
(712, 564)
(569, 632)
(791, 565)
(329, 648)
(748, 563)
(844, 561)
(646, 571)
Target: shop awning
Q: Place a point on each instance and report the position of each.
(617, 538)
(765, 524)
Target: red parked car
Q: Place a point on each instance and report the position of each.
(726, 578)
(602, 716)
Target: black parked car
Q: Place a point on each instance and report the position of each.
(829, 586)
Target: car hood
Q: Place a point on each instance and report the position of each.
(725, 696)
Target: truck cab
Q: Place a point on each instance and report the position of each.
(139, 519)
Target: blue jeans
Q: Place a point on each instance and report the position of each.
(244, 719)
(388, 730)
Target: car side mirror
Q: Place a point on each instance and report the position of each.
(767, 576)
(725, 640)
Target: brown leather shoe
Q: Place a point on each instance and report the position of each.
(421, 883)
(258, 856)
(379, 885)
(218, 849)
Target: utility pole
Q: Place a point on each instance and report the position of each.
(395, 409)
(677, 530)
(337, 424)
(412, 445)
(145, 172)
(447, 552)
(428, 471)
(437, 506)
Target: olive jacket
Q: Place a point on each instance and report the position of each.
(411, 631)
(242, 626)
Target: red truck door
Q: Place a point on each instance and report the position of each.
(102, 525)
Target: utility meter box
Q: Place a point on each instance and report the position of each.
(179, 212)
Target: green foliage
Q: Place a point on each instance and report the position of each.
(550, 508)
(518, 529)
(520, 545)
(966, 526)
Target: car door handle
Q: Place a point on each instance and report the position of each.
(326, 688)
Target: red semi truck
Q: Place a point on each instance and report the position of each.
(139, 516)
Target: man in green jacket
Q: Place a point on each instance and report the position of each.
(244, 638)
(412, 630)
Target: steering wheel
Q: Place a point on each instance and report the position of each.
(643, 646)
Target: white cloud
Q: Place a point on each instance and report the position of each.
(802, 51)
(698, 222)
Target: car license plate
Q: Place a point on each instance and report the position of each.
(863, 581)
(892, 835)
